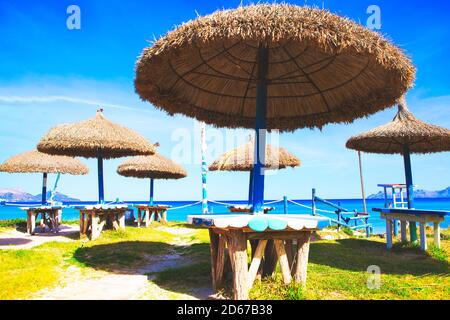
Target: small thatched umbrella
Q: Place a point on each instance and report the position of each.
(242, 159)
(95, 138)
(404, 135)
(153, 167)
(272, 66)
(38, 162)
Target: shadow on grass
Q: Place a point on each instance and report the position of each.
(193, 278)
(121, 257)
(358, 254)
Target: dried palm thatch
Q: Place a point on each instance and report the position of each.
(404, 130)
(322, 68)
(155, 167)
(242, 158)
(38, 162)
(93, 138)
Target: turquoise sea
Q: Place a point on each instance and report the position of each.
(181, 209)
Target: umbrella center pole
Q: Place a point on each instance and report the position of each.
(151, 191)
(250, 188)
(101, 195)
(44, 188)
(260, 130)
(409, 190)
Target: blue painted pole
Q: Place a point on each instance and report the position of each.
(101, 194)
(409, 190)
(44, 188)
(151, 191)
(285, 205)
(250, 189)
(260, 131)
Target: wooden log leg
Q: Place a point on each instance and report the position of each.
(237, 247)
(147, 218)
(423, 236)
(284, 264)
(122, 220)
(256, 261)
(164, 216)
(403, 231)
(32, 223)
(437, 234)
(220, 261)
(139, 219)
(290, 253)
(28, 222)
(81, 223)
(87, 223)
(94, 227)
(214, 246)
(301, 268)
(388, 234)
(151, 217)
(270, 259)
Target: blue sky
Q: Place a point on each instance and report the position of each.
(50, 75)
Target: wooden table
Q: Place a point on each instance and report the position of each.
(415, 215)
(286, 242)
(94, 219)
(50, 216)
(148, 213)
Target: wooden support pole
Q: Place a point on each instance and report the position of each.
(403, 235)
(81, 222)
(122, 220)
(437, 234)
(220, 261)
(94, 226)
(423, 236)
(237, 247)
(288, 244)
(301, 267)
(213, 246)
(139, 219)
(32, 222)
(388, 233)
(256, 261)
(284, 264)
(270, 259)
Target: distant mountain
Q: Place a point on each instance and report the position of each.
(13, 194)
(19, 195)
(419, 193)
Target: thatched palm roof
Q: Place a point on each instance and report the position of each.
(155, 166)
(38, 162)
(405, 129)
(94, 137)
(242, 158)
(322, 68)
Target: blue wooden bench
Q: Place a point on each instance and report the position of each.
(414, 215)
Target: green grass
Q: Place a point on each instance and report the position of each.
(337, 268)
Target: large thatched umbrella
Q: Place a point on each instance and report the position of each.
(242, 159)
(38, 162)
(404, 135)
(153, 167)
(95, 138)
(273, 66)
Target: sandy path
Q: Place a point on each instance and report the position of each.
(130, 285)
(13, 239)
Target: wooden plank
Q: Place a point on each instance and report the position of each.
(388, 234)
(437, 234)
(301, 267)
(237, 247)
(423, 237)
(284, 264)
(256, 261)
(403, 235)
(411, 217)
